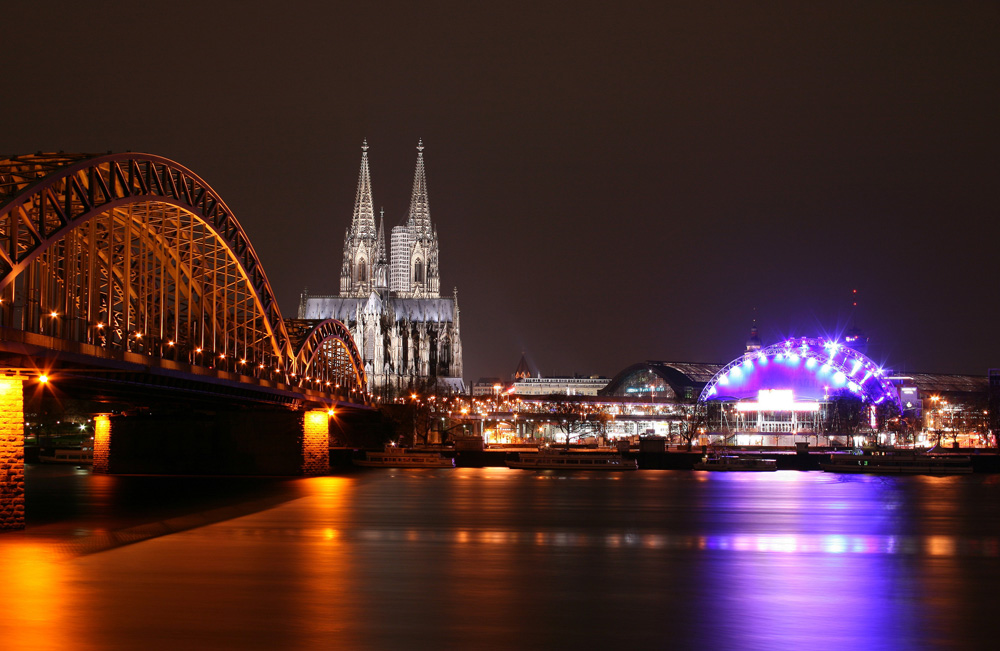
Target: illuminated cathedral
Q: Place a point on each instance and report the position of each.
(408, 335)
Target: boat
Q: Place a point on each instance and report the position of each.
(897, 462)
(737, 463)
(79, 457)
(393, 457)
(563, 460)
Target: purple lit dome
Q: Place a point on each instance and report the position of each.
(812, 369)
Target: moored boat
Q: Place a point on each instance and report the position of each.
(80, 457)
(896, 462)
(736, 463)
(393, 457)
(563, 460)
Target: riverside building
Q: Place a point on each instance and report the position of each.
(803, 389)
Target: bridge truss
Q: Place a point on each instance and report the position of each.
(136, 253)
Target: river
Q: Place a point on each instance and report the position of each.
(477, 558)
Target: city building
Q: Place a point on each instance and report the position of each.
(488, 386)
(551, 386)
(524, 384)
(522, 370)
(408, 334)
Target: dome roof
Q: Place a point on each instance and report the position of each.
(811, 369)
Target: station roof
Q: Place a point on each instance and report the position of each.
(943, 382)
(686, 379)
(696, 372)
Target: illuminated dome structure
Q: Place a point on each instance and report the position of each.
(785, 387)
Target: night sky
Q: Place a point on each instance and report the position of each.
(611, 182)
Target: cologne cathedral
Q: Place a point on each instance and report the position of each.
(390, 299)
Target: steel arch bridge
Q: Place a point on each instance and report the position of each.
(134, 253)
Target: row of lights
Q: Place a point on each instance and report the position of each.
(198, 351)
(832, 347)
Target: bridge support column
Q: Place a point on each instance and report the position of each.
(102, 443)
(231, 442)
(316, 442)
(11, 452)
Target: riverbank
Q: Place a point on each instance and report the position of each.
(983, 461)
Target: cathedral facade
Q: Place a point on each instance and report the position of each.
(408, 335)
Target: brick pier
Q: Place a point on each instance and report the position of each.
(11, 452)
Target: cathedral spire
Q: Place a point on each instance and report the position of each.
(420, 211)
(380, 257)
(363, 222)
(357, 274)
(380, 263)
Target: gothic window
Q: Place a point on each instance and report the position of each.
(445, 357)
(418, 271)
(369, 352)
(362, 271)
(432, 354)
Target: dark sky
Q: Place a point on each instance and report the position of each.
(611, 182)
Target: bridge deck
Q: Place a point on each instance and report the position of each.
(96, 372)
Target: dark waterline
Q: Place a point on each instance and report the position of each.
(495, 558)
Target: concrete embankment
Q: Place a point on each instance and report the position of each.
(982, 461)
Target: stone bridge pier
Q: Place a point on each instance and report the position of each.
(225, 442)
(11, 452)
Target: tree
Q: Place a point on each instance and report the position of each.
(845, 415)
(566, 415)
(697, 423)
(887, 416)
(598, 421)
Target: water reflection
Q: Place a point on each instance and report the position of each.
(325, 599)
(760, 543)
(34, 601)
(474, 558)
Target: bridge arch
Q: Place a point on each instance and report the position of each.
(136, 252)
(326, 356)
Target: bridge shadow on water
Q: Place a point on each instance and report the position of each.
(84, 513)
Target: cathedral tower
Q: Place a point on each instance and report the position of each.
(362, 270)
(415, 244)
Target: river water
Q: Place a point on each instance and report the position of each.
(496, 558)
